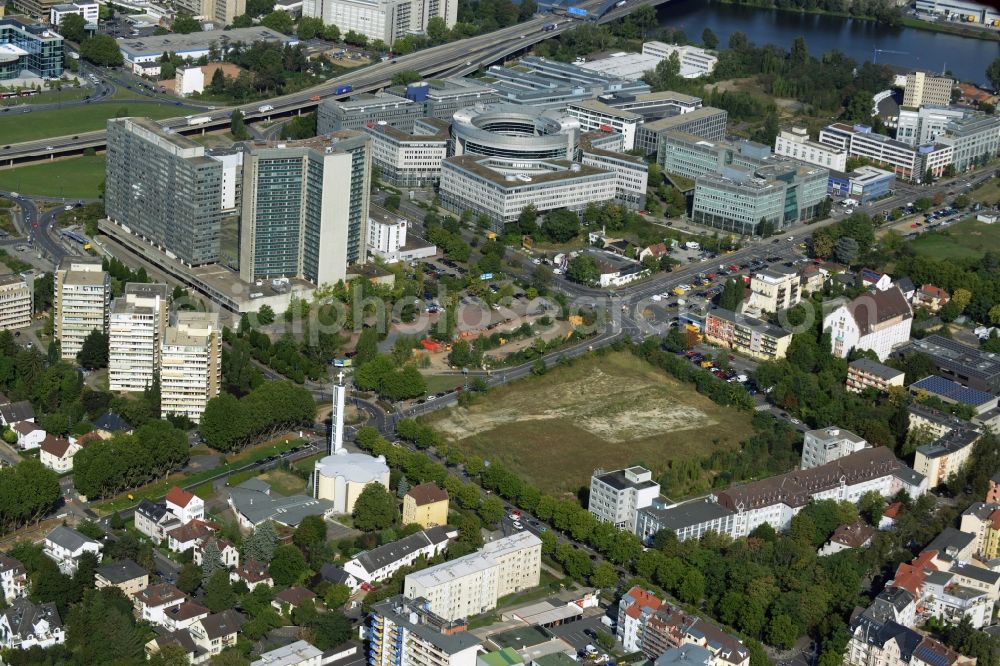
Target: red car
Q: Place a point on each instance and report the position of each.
(734, 268)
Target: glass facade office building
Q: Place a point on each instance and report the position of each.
(32, 48)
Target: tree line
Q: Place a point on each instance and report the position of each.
(231, 424)
(125, 461)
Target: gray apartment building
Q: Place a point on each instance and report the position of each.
(362, 110)
(305, 208)
(706, 122)
(162, 188)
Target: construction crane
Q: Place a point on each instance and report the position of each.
(875, 53)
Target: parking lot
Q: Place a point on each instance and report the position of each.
(581, 633)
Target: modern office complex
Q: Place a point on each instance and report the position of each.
(16, 301)
(906, 161)
(135, 332)
(743, 200)
(924, 89)
(83, 294)
(605, 151)
(916, 127)
(595, 115)
(514, 132)
(495, 188)
(472, 584)
(441, 98)
(548, 84)
(690, 155)
(405, 632)
(747, 335)
(305, 208)
(163, 188)
(32, 48)
(797, 145)
(616, 497)
(409, 159)
(652, 106)
(362, 110)
(864, 184)
(828, 444)
(706, 122)
(190, 363)
(142, 54)
(694, 61)
(974, 138)
(386, 20)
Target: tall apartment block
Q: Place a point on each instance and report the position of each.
(387, 20)
(616, 497)
(826, 445)
(305, 208)
(135, 332)
(404, 631)
(472, 584)
(190, 363)
(82, 298)
(16, 300)
(162, 188)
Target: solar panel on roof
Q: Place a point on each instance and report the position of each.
(952, 390)
(930, 656)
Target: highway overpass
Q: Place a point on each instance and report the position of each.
(452, 59)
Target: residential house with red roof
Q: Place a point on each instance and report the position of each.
(187, 536)
(184, 504)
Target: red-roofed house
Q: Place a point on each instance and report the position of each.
(185, 505)
(57, 453)
(845, 537)
(930, 297)
(657, 251)
(911, 576)
(184, 615)
(152, 603)
(633, 610)
(889, 515)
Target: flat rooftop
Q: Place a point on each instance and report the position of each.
(199, 41)
(559, 170)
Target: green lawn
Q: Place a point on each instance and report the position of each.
(17, 127)
(988, 193)
(438, 383)
(73, 178)
(968, 239)
(67, 94)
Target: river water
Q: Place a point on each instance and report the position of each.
(965, 57)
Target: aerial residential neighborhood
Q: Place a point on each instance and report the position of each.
(499, 333)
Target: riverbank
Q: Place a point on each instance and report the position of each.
(958, 29)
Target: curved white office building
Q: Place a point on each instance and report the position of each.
(342, 476)
(514, 132)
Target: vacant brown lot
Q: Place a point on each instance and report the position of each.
(605, 412)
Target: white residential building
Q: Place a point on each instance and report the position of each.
(25, 625)
(184, 504)
(16, 301)
(83, 294)
(381, 563)
(634, 609)
(135, 332)
(153, 603)
(57, 453)
(877, 321)
(406, 631)
(773, 290)
(797, 145)
(387, 20)
(472, 584)
(13, 578)
(191, 364)
(616, 497)
(65, 546)
(828, 444)
(386, 233)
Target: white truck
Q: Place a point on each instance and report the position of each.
(198, 120)
(691, 245)
(265, 108)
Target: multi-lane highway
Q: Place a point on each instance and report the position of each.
(454, 58)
